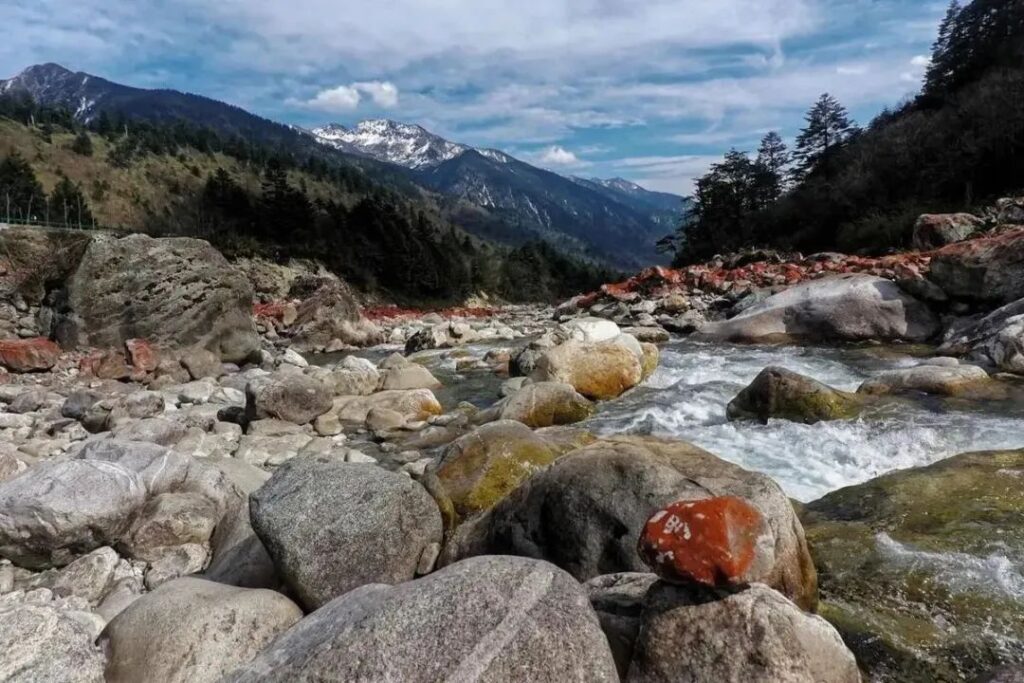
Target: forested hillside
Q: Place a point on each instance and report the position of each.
(252, 199)
(956, 146)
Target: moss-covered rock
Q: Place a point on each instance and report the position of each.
(600, 371)
(545, 404)
(481, 468)
(780, 393)
(920, 570)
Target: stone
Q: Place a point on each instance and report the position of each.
(78, 403)
(201, 363)
(291, 397)
(58, 510)
(144, 356)
(544, 404)
(293, 357)
(997, 338)
(649, 359)
(89, 577)
(191, 631)
(331, 527)
(332, 314)
(499, 619)
(782, 394)
(961, 380)
(156, 430)
(355, 377)
(602, 495)
(174, 561)
(175, 292)
(171, 519)
(618, 600)
(41, 643)
(28, 355)
(414, 404)
(409, 376)
(598, 371)
(908, 564)
(384, 419)
(754, 634)
(987, 270)
(652, 335)
(852, 307)
(591, 330)
(932, 231)
(712, 542)
(479, 469)
(327, 424)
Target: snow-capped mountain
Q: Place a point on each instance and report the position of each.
(403, 144)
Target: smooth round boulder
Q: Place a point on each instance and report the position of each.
(783, 394)
(598, 371)
(291, 396)
(408, 376)
(481, 468)
(754, 634)
(414, 404)
(545, 404)
(585, 512)
(193, 631)
(959, 380)
(41, 643)
(331, 527)
(496, 619)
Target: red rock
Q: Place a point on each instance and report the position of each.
(109, 364)
(28, 355)
(710, 542)
(143, 355)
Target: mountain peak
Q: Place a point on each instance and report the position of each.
(399, 143)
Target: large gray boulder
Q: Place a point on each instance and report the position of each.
(585, 512)
(841, 308)
(193, 631)
(331, 527)
(331, 314)
(42, 643)
(755, 634)
(289, 396)
(997, 338)
(492, 619)
(174, 292)
(988, 270)
(932, 230)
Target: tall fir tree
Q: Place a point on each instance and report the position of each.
(828, 128)
(773, 156)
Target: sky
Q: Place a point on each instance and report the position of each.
(651, 90)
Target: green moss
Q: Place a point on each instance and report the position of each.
(779, 393)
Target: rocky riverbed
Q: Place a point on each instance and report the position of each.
(763, 468)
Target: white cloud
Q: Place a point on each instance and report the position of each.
(334, 100)
(383, 93)
(921, 61)
(556, 155)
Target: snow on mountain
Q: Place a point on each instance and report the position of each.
(404, 144)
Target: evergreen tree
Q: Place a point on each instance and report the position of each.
(82, 144)
(940, 69)
(68, 205)
(828, 128)
(21, 195)
(773, 157)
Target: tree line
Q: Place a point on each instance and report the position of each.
(955, 146)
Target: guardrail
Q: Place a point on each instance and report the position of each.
(52, 225)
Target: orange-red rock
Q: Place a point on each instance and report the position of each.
(28, 355)
(143, 355)
(710, 542)
(109, 364)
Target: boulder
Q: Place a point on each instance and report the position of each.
(1010, 211)
(175, 292)
(414, 404)
(331, 527)
(988, 270)
(603, 494)
(712, 542)
(192, 630)
(408, 376)
(599, 371)
(932, 230)
(783, 394)
(499, 619)
(754, 634)
(997, 338)
(918, 567)
(618, 600)
(839, 308)
(28, 355)
(331, 313)
(959, 380)
(291, 396)
(543, 404)
(144, 356)
(440, 336)
(481, 468)
(590, 330)
(42, 643)
(201, 363)
(354, 377)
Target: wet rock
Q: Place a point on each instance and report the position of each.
(932, 231)
(839, 308)
(653, 335)
(482, 467)
(961, 380)
(499, 619)
(713, 542)
(906, 563)
(543, 404)
(287, 396)
(175, 292)
(783, 394)
(997, 338)
(42, 643)
(604, 493)
(414, 404)
(28, 355)
(331, 527)
(754, 634)
(191, 630)
(598, 371)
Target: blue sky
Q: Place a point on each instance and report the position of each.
(651, 90)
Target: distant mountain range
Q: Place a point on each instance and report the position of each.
(485, 190)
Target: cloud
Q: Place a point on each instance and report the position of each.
(345, 98)
(556, 155)
(383, 93)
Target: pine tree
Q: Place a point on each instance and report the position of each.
(828, 128)
(21, 195)
(940, 69)
(773, 156)
(82, 144)
(68, 205)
